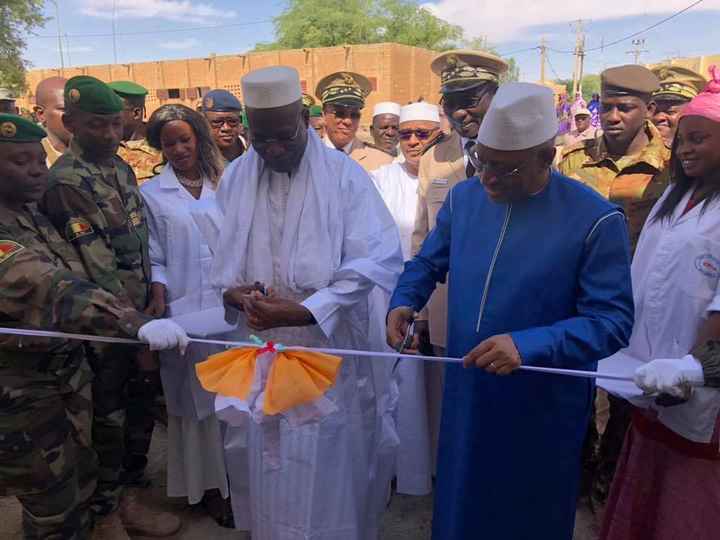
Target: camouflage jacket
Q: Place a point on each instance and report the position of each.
(634, 182)
(142, 158)
(99, 210)
(43, 286)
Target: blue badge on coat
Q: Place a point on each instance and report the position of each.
(708, 265)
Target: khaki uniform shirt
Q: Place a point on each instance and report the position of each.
(141, 157)
(99, 210)
(368, 158)
(441, 167)
(634, 182)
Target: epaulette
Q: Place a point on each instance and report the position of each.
(434, 142)
(586, 145)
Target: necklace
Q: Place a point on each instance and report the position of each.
(188, 182)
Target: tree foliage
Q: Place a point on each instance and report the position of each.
(481, 44)
(590, 86)
(325, 23)
(17, 19)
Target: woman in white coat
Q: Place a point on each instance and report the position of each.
(181, 259)
(667, 484)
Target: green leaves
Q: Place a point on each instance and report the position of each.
(17, 18)
(327, 23)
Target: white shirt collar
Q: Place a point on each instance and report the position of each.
(329, 144)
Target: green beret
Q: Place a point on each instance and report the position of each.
(630, 80)
(16, 129)
(91, 95)
(128, 89)
(315, 111)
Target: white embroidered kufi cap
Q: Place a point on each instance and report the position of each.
(521, 116)
(420, 111)
(386, 107)
(271, 87)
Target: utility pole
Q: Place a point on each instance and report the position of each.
(543, 55)
(638, 49)
(60, 47)
(579, 57)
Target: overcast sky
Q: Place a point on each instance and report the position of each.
(165, 29)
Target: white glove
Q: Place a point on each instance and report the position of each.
(162, 334)
(670, 376)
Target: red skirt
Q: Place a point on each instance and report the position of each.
(665, 487)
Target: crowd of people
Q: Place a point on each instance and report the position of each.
(498, 232)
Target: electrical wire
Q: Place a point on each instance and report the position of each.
(634, 34)
(557, 77)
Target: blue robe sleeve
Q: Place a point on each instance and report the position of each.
(605, 310)
(429, 266)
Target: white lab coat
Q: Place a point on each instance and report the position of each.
(180, 258)
(676, 284)
(321, 480)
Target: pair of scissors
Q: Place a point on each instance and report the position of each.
(407, 340)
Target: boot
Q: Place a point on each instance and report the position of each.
(109, 527)
(139, 519)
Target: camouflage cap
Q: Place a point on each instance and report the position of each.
(315, 111)
(344, 88)
(678, 83)
(307, 100)
(629, 80)
(6, 95)
(128, 89)
(463, 69)
(220, 101)
(91, 95)
(16, 129)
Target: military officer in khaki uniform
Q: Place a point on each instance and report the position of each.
(678, 85)
(94, 202)
(627, 164)
(469, 80)
(343, 97)
(134, 148)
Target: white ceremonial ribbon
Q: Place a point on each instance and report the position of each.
(338, 352)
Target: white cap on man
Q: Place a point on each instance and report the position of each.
(422, 111)
(386, 107)
(271, 87)
(521, 116)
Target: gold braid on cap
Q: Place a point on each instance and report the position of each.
(336, 93)
(674, 89)
(457, 71)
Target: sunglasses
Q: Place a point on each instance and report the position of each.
(231, 122)
(342, 114)
(464, 100)
(421, 134)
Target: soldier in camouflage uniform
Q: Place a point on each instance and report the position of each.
(94, 201)
(46, 457)
(627, 164)
(134, 148)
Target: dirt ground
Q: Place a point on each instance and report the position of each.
(408, 518)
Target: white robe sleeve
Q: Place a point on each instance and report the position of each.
(371, 254)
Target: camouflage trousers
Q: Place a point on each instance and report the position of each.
(46, 459)
(122, 424)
